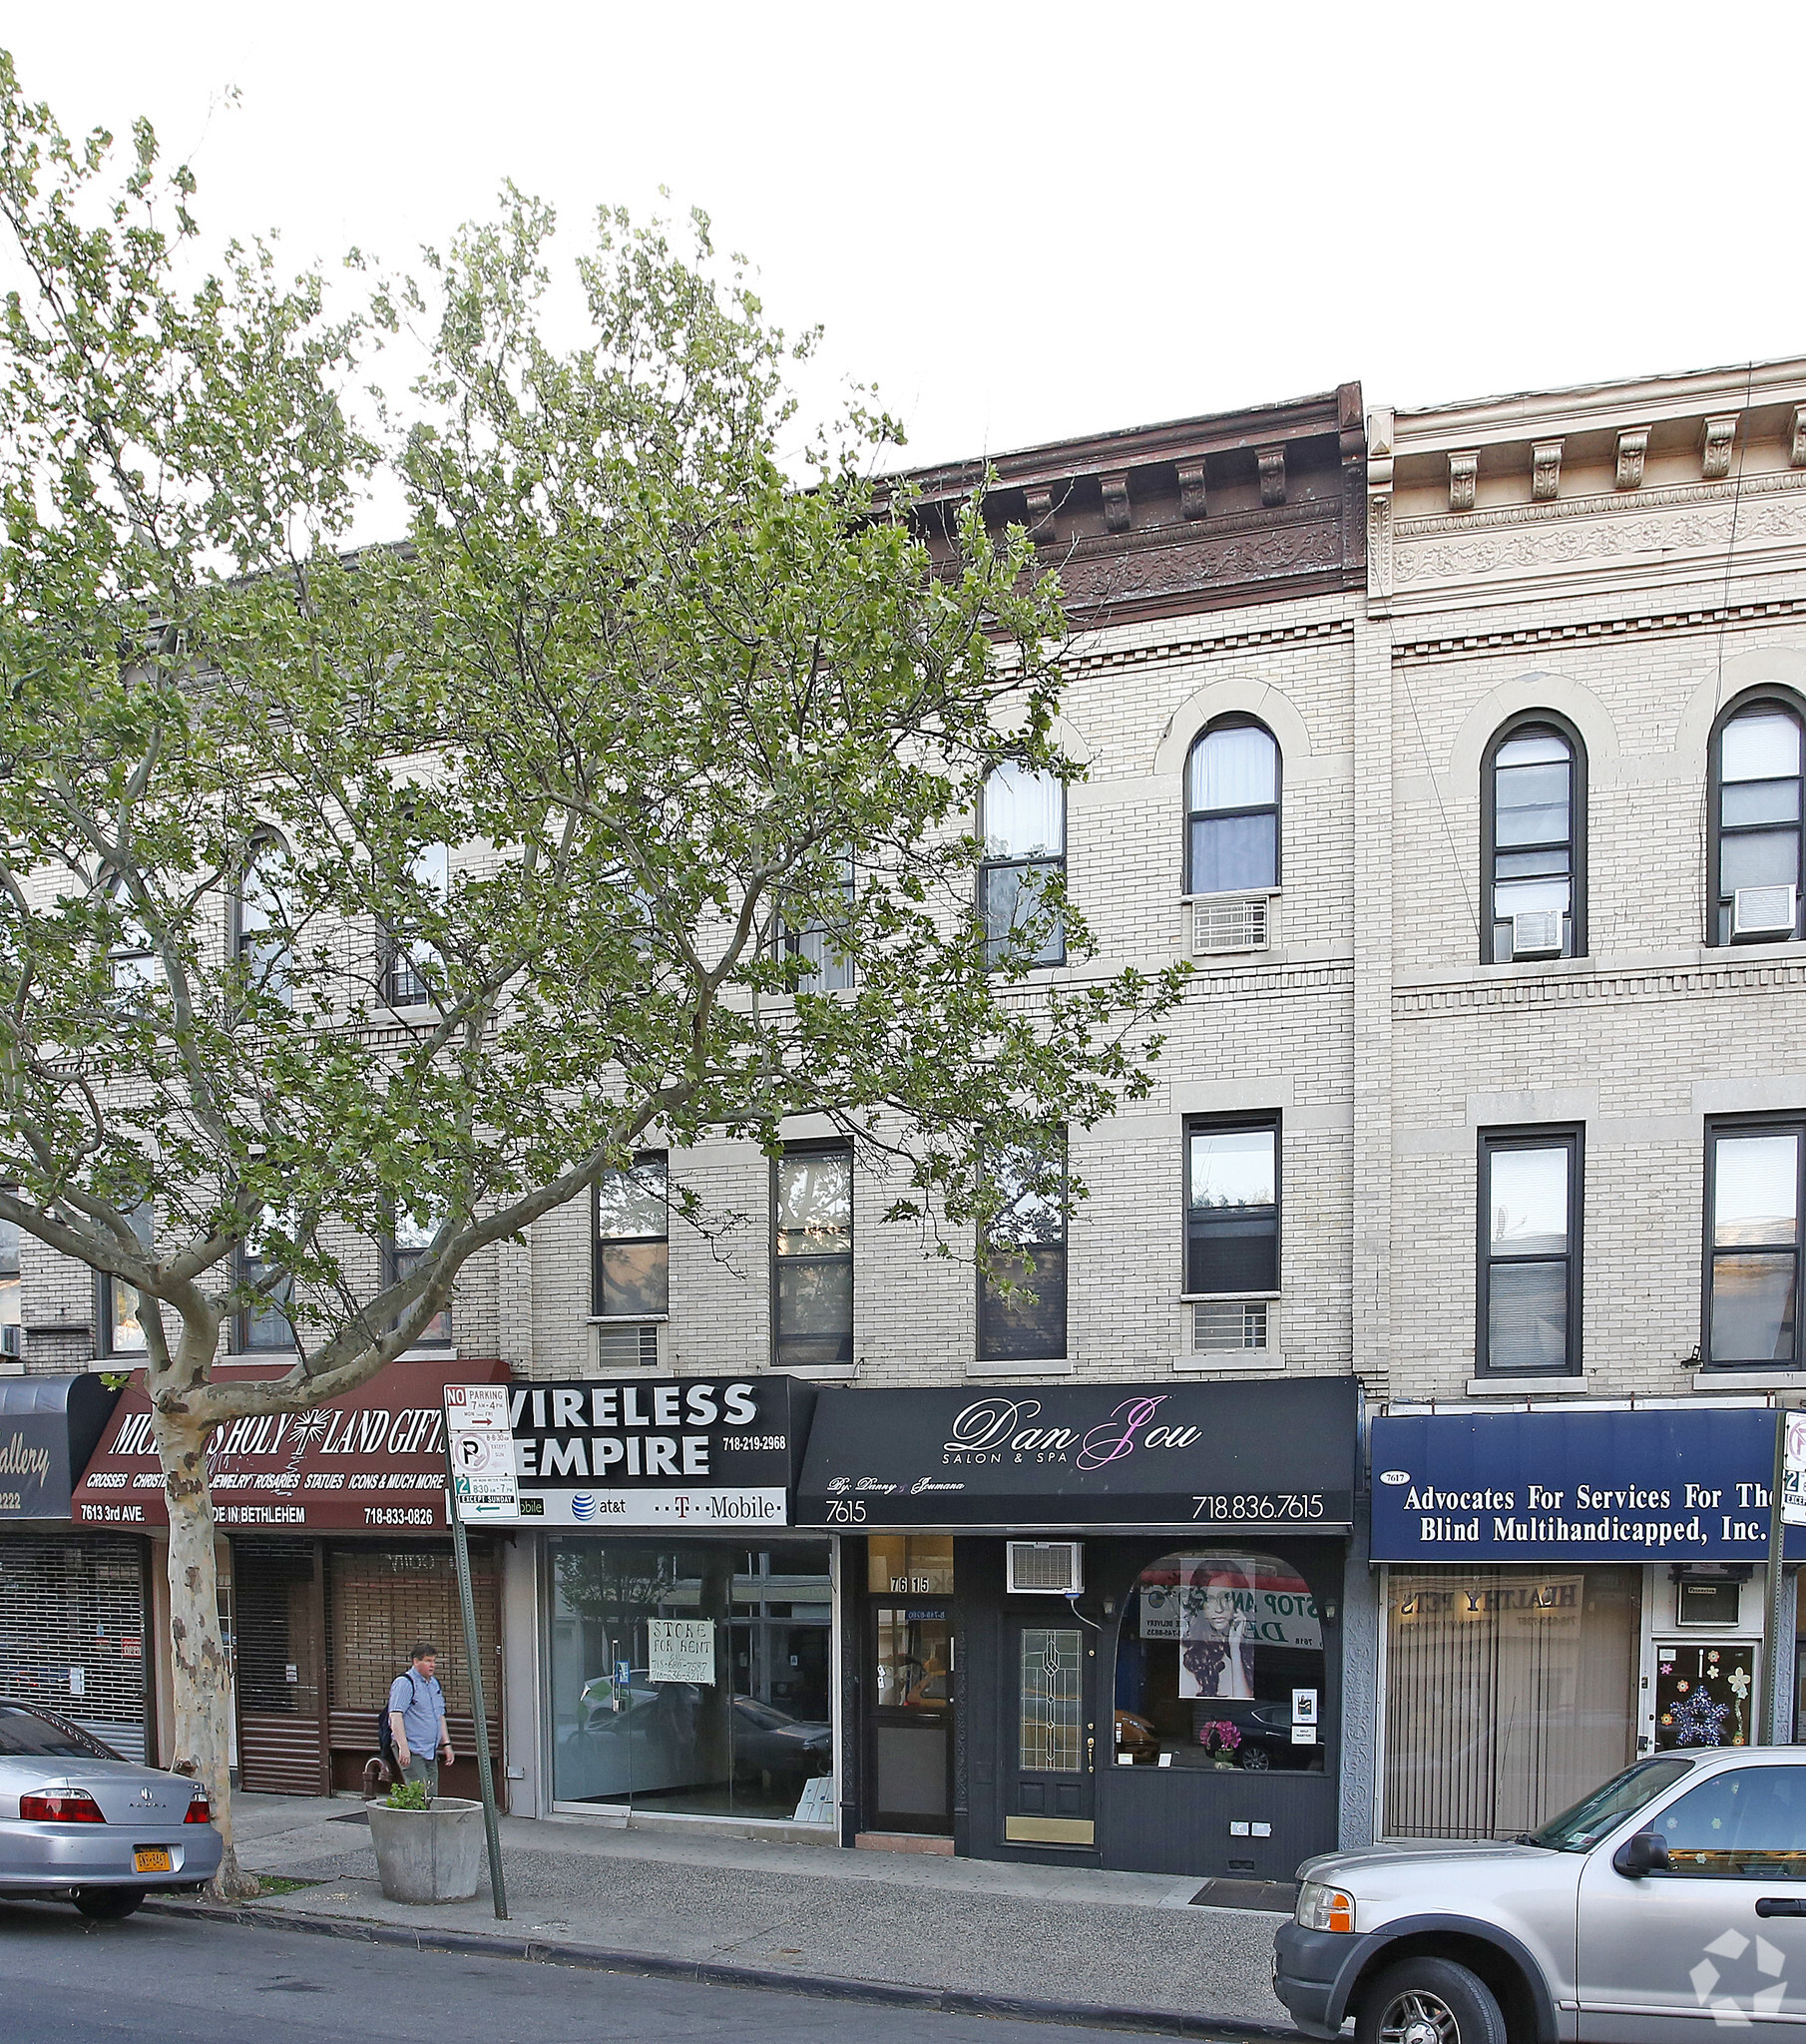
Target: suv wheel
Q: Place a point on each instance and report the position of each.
(1429, 2002)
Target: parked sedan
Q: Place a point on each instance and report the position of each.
(78, 1821)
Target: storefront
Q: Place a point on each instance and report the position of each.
(686, 1650)
(1096, 1624)
(1563, 1590)
(336, 1559)
(72, 1601)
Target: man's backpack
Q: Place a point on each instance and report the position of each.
(385, 1731)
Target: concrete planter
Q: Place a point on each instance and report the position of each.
(428, 1856)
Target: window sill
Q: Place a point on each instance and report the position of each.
(818, 1372)
(1223, 1298)
(1028, 1367)
(1526, 1388)
(1748, 1379)
(629, 1319)
(1214, 1359)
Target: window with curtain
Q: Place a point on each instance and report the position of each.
(1021, 1304)
(633, 1241)
(11, 1315)
(1755, 880)
(1753, 1236)
(1232, 809)
(122, 1317)
(1022, 824)
(408, 983)
(1529, 1244)
(1533, 794)
(812, 1257)
(831, 969)
(263, 918)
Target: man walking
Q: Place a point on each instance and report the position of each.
(417, 1720)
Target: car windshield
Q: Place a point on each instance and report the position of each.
(26, 1735)
(1580, 1829)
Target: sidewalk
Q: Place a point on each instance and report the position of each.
(1073, 1942)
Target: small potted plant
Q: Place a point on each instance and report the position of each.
(428, 1849)
(1221, 1740)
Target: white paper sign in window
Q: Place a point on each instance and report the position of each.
(680, 1650)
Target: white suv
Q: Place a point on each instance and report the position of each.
(1668, 1907)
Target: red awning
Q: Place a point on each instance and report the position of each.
(373, 1461)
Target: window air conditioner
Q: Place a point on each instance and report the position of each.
(634, 1347)
(1046, 1568)
(1537, 933)
(1220, 927)
(1763, 911)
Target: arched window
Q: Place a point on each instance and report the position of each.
(263, 918)
(1753, 888)
(1532, 849)
(1023, 824)
(1233, 809)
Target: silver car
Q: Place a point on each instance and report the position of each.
(1668, 1907)
(78, 1821)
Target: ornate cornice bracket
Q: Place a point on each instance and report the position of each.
(1632, 451)
(1545, 471)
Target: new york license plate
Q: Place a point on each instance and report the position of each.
(150, 1859)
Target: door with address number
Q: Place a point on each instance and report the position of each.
(1050, 1733)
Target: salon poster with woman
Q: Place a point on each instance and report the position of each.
(1222, 1608)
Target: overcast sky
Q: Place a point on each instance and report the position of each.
(1024, 222)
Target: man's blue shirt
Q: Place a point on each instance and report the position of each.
(421, 1703)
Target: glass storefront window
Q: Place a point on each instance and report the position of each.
(1509, 1694)
(692, 1679)
(1221, 1654)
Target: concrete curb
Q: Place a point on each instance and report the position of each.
(724, 1973)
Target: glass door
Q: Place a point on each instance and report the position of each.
(910, 1644)
(1050, 1729)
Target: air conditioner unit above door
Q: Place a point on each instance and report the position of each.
(1763, 911)
(1537, 933)
(1046, 1568)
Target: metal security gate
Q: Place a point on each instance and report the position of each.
(71, 1631)
(280, 1657)
(379, 1601)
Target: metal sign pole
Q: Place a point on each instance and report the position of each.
(1775, 1711)
(485, 1773)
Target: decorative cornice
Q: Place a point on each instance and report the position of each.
(1545, 471)
(1117, 512)
(1203, 647)
(1464, 474)
(1632, 449)
(1272, 474)
(1452, 645)
(1655, 983)
(1779, 482)
(1715, 454)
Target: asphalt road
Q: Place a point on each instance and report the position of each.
(163, 1980)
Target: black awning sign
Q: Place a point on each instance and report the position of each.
(1233, 1455)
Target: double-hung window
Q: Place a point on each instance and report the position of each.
(264, 1322)
(408, 980)
(1753, 1202)
(1755, 880)
(263, 919)
(1529, 1232)
(812, 1257)
(633, 1241)
(1534, 842)
(1232, 809)
(831, 967)
(1022, 824)
(1021, 1301)
(121, 1313)
(1232, 1230)
(11, 1318)
(407, 1244)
